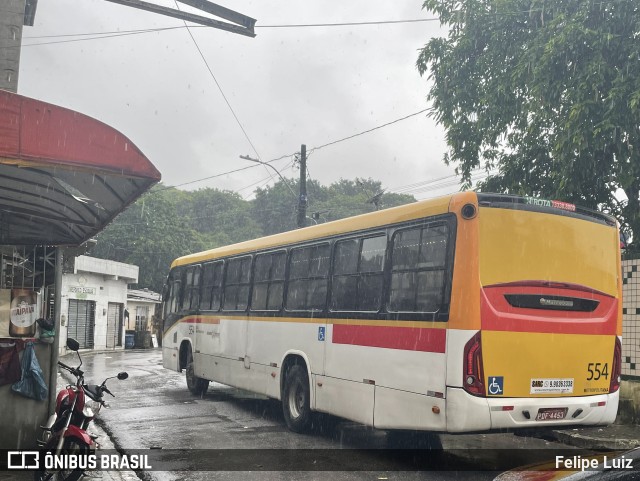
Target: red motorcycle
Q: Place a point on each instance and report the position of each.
(66, 429)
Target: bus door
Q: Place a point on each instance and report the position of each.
(191, 321)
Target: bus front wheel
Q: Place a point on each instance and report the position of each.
(196, 385)
(296, 403)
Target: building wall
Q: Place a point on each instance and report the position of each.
(132, 307)
(117, 270)
(92, 287)
(631, 318)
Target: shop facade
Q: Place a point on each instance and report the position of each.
(93, 302)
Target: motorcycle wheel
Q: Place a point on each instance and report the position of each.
(69, 447)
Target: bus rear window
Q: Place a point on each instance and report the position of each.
(418, 268)
(358, 277)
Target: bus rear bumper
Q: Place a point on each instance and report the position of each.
(466, 412)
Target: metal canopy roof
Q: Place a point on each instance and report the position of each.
(63, 176)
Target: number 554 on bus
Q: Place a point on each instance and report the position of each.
(470, 312)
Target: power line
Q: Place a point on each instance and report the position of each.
(220, 87)
(402, 188)
(479, 175)
(369, 130)
(111, 34)
(293, 25)
(349, 24)
(290, 155)
(438, 184)
(265, 180)
(206, 178)
(73, 40)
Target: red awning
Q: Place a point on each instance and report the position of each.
(63, 176)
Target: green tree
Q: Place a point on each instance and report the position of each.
(545, 91)
(275, 207)
(220, 217)
(150, 234)
(347, 198)
(167, 223)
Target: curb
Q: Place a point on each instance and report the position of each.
(593, 442)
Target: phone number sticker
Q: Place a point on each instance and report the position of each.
(545, 386)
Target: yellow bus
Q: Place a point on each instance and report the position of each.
(470, 312)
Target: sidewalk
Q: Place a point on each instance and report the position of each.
(105, 443)
(103, 440)
(613, 437)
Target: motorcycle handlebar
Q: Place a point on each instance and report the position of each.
(73, 370)
(68, 368)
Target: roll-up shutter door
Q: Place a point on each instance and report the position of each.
(114, 314)
(81, 322)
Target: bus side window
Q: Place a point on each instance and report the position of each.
(236, 284)
(268, 281)
(358, 274)
(191, 298)
(174, 293)
(418, 267)
(308, 274)
(211, 286)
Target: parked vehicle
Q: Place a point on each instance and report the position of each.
(466, 313)
(66, 429)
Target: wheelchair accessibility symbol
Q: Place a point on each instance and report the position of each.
(496, 385)
(321, 333)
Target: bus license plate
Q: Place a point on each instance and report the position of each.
(551, 414)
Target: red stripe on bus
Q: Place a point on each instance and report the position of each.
(405, 338)
(498, 315)
(200, 320)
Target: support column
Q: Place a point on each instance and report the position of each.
(11, 21)
(55, 347)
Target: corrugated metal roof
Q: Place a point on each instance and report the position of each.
(143, 295)
(63, 175)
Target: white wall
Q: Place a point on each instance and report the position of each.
(98, 288)
(631, 318)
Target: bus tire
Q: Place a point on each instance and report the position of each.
(296, 399)
(196, 385)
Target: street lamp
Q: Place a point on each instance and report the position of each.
(246, 157)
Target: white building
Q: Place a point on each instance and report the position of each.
(94, 296)
(141, 305)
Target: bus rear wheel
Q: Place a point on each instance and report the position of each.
(196, 385)
(296, 400)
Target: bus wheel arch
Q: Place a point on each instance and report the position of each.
(295, 393)
(195, 384)
(183, 354)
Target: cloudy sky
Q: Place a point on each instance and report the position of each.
(287, 86)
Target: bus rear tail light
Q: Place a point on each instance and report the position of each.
(616, 371)
(473, 374)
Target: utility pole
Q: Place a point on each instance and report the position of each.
(302, 201)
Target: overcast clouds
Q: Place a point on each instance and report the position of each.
(287, 87)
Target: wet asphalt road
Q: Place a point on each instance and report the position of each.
(154, 410)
